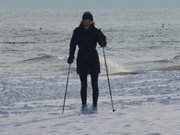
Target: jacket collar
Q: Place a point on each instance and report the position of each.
(90, 27)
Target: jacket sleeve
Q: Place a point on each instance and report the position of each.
(73, 44)
(101, 38)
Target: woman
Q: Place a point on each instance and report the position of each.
(86, 36)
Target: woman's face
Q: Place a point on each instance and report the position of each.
(87, 22)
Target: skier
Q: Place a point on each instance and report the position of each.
(86, 36)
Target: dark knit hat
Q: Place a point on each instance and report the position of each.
(87, 15)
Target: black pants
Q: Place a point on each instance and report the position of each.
(94, 83)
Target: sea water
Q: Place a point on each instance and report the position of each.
(37, 42)
(34, 46)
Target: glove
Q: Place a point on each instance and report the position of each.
(70, 60)
(102, 39)
(103, 44)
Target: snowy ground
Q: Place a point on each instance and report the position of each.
(147, 104)
(44, 118)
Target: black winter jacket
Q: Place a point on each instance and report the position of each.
(87, 39)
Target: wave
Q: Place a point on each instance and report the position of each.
(154, 61)
(42, 57)
(13, 42)
(170, 41)
(177, 57)
(124, 73)
(170, 68)
(162, 61)
(154, 47)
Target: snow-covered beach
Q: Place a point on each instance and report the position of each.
(146, 104)
(144, 62)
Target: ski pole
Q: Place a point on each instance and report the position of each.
(109, 85)
(64, 102)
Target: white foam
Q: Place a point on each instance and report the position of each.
(113, 66)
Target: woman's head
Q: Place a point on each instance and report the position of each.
(87, 19)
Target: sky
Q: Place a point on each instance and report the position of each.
(88, 4)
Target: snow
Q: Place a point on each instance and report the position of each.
(45, 118)
(146, 104)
